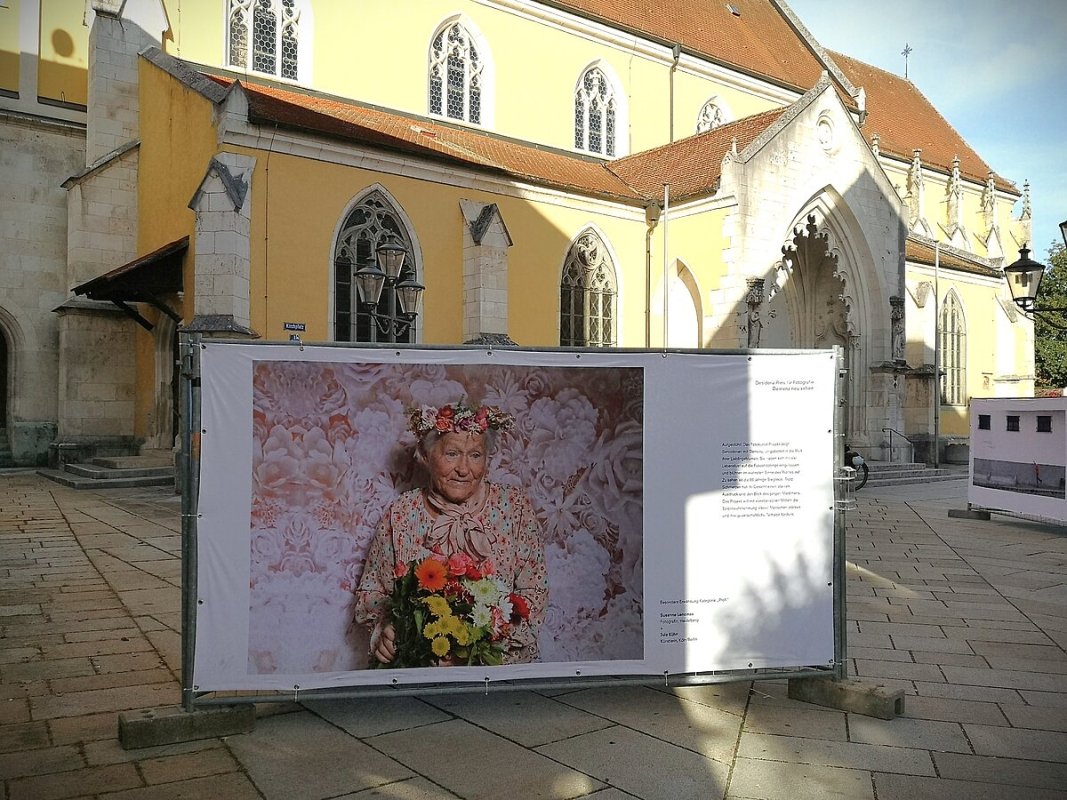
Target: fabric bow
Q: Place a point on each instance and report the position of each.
(459, 527)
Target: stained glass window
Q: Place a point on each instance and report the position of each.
(456, 75)
(371, 223)
(595, 109)
(710, 116)
(587, 295)
(263, 37)
(953, 352)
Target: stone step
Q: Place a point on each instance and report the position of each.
(116, 479)
(100, 471)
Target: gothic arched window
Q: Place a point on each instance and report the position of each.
(263, 36)
(371, 223)
(596, 111)
(457, 75)
(587, 295)
(710, 116)
(953, 352)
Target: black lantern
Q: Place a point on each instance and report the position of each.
(394, 313)
(1024, 281)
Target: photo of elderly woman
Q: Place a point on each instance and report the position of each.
(473, 529)
(444, 514)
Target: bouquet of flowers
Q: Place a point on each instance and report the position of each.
(451, 612)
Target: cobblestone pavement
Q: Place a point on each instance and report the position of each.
(968, 617)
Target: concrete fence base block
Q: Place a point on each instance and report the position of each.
(859, 697)
(156, 726)
(967, 513)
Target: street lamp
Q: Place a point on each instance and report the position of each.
(1024, 280)
(394, 316)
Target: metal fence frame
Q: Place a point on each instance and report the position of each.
(189, 480)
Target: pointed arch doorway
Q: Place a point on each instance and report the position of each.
(811, 302)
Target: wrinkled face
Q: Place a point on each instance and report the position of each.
(457, 465)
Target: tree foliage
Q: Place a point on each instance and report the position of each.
(1050, 330)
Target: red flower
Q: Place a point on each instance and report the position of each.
(460, 565)
(432, 575)
(520, 609)
(400, 570)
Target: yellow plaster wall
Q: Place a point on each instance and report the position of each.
(177, 143)
(9, 45)
(64, 52)
(536, 66)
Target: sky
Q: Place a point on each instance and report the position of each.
(995, 69)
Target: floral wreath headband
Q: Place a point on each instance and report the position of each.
(459, 418)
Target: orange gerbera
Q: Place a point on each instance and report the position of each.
(432, 575)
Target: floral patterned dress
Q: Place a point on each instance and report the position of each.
(517, 557)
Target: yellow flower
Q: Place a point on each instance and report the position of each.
(462, 634)
(440, 646)
(450, 624)
(438, 605)
(432, 629)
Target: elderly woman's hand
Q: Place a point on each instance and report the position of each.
(386, 649)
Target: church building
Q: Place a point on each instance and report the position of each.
(541, 173)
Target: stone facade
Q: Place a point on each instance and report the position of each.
(36, 156)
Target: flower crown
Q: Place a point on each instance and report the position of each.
(459, 418)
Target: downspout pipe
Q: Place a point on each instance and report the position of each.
(676, 53)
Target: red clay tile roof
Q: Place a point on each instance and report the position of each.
(692, 165)
(759, 40)
(919, 252)
(905, 120)
(423, 137)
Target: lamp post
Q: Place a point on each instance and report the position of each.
(1024, 281)
(391, 317)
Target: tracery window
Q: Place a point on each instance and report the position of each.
(457, 75)
(263, 36)
(371, 223)
(587, 295)
(953, 352)
(595, 113)
(710, 116)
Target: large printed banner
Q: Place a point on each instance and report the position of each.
(647, 513)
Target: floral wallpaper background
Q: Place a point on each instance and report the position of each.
(331, 450)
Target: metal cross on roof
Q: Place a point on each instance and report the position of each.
(906, 52)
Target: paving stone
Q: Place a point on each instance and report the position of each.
(75, 783)
(526, 717)
(729, 697)
(954, 710)
(422, 789)
(38, 762)
(905, 732)
(705, 730)
(365, 717)
(295, 755)
(638, 764)
(988, 740)
(167, 769)
(898, 670)
(1011, 679)
(981, 694)
(23, 736)
(86, 728)
(905, 787)
(796, 719)
(1004, 771)
(796, 750)
(773, 780)
(231, 786)
(93, 702)
(954, 659)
